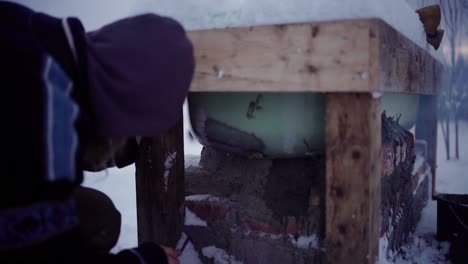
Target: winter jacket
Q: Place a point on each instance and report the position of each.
(61, 87)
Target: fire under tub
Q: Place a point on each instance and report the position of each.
(274, 125)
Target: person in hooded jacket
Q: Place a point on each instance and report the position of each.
(75, 101)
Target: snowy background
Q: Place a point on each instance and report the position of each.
(120, 184)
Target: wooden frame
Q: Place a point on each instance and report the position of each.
(353, 62)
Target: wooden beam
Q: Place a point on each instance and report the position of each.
(353, 168)
(404, 66)
(160, 187)
(329, 56)
(365, 55)
(426, 129)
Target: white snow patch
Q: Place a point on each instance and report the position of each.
(189, 255)
(192, 220)
(191, 146)
(219, 256)
(181, 241)
(119, 185)
(377, 95)
(383, 250)
(418, 162)
(220, 74)
(303, 242)
(306, 242)
(422, 249)
(427, 174)
(260, 234)
(202, 197)
(168, 164)
(364, 75)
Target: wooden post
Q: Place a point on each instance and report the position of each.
(160, 187)
(353, 152)
(426, 129)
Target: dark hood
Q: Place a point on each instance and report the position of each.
(140, 69)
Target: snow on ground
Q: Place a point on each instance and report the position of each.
(219, 256)
(202, 197)
(189, 254)
(423, 248)
(452, 176)
(119, 185)
(192, 220)
(305, 242)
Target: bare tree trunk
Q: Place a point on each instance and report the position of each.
(450, 94)
(457, 153)
(448, 136)
(446, 139)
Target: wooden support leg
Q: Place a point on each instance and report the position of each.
(353, 153)
(160, 187)
(426, 129)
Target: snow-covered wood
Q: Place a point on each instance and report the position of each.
(210, 14)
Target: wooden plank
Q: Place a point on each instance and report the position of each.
(426, 129)
(404, 66)
(364, 55)
(328, 56)
(160, 187)
(353, 152)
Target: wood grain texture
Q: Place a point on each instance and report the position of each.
(404, 66)
(426, 129)
(293, 57)
(353, 173)
(363, 55)
(160, 187)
